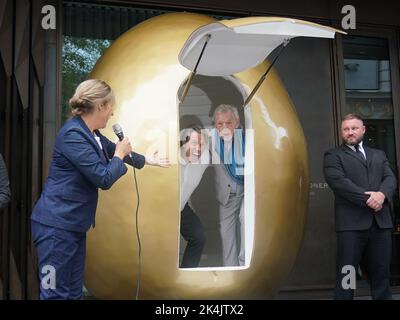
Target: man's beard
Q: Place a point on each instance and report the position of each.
(353, 143)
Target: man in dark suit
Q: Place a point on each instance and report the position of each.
(363, 184)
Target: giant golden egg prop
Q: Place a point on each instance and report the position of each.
(146, 67)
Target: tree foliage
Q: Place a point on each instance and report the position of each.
(79, 55)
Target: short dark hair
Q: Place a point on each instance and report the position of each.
(352, 116)
(188, 131)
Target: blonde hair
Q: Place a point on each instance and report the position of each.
(88, 94)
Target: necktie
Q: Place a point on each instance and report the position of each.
(358, 152)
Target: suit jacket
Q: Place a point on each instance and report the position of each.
(78, 168)
(5, 193)
(223, 184)
(349, 177)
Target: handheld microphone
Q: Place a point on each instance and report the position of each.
(120, 134)
(118, 131)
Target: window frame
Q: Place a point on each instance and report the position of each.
(391, 36)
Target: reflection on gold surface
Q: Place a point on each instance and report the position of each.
(143, 69)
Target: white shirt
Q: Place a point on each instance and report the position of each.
(190, 175)
(360, 148)
(98, 141)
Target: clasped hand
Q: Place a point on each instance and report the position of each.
(375, 200)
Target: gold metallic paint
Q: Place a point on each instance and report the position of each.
(143, 69)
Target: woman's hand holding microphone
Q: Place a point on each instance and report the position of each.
(123, 148)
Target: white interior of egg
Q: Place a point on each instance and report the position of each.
(204, 95)
(239, 47)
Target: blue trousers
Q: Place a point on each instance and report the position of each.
(61, 261)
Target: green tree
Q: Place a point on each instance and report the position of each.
(79, 55)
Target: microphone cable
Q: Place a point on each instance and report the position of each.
(138, 237)
(119, 133)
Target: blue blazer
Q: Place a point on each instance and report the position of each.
(78, 168)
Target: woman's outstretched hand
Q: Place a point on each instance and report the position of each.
(156, 161)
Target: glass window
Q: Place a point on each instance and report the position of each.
(368, 90)
(369, 93)
(79, 56)
(89, 29)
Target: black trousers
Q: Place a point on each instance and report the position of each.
(374, 246)
(193, 232)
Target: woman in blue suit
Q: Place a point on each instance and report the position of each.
(83, 161)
